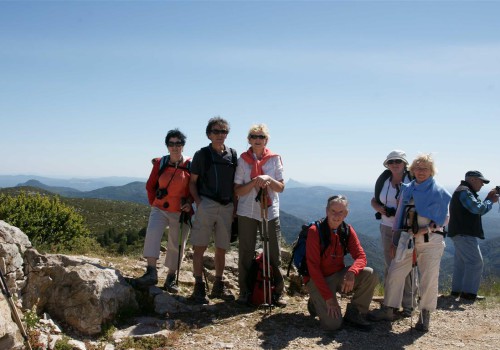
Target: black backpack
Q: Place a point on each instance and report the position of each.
(298, 257)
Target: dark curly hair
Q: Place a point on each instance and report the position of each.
(216, 121)
(175, 133)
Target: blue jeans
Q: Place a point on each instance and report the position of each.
(468, 265)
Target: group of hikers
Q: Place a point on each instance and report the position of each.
(228, 190)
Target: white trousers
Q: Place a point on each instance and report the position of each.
(428, 259)
(158, 221)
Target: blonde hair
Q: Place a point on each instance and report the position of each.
(259, 128)
(423, 159)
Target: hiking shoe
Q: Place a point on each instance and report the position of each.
(277, 300)
(311, 308)
(199, 295)
(423, 321)
(407, 312)
(472, 296)
(170, 284)
(355, 319)
(219, 291)
(150, 278)
(385, 313)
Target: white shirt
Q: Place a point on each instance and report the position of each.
(388, 197)
(247, 206)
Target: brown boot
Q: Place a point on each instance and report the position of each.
(423, 321)
(150, 278)
(199, 295)
(355, 319)
(220, 291)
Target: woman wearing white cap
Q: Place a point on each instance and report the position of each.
(385, 202)
(421, 216)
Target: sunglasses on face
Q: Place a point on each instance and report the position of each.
(174, 144)
(219, 132)
(394, 161)
(260, 137)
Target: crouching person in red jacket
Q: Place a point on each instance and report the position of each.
(329, 275)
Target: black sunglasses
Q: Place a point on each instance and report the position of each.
(219, 132)
(173, 144)
(394, 161)
(261, 137)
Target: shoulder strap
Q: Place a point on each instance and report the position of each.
(234, 157)
(324, 234)
(163, 165)
(379, 184)
(345, 231)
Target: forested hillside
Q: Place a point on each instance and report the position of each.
(119, 225)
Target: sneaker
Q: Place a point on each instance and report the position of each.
(277, 300)
(355, 319)
(423, 321)
(219, 291)
(311, 308)
(170, 284)
(385, 313)
(199, 295)
(472, 296)
(150, 278)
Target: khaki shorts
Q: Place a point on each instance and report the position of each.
(212, 218)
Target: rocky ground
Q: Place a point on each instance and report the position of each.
(227, 325)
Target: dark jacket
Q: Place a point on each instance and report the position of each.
(462, 221)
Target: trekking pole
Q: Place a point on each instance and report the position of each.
(265, 245)
(13, 308)
(414, 276)
(181, 220)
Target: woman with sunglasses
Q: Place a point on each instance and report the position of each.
(421, 215)
(168, 195)
(385, 203)
(258, 168)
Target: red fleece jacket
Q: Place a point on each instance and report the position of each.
(332, 260)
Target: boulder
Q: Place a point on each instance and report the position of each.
(13, 244)
(10, 336)
(76, 290)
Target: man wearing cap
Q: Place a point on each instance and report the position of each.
(465, 228)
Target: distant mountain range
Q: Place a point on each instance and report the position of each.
(300, 204)
(74, 183)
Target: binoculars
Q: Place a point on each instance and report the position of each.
(388, 212)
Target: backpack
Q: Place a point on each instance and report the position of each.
(298, 257)
(255, 281)
(379, 184)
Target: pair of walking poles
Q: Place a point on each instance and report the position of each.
(415, 283)
(266, 263)
(184, 218)
(13, 308)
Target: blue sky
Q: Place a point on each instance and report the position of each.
(89, 89)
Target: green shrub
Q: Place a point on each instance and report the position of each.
(45, 220)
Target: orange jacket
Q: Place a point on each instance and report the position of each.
(177, 180)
